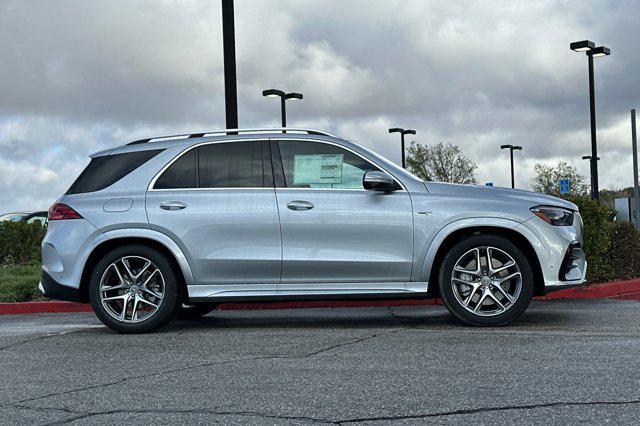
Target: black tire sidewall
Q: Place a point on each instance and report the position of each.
(446, 270)
(167, 306)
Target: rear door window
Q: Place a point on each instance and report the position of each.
(106, 170)
(231, 165)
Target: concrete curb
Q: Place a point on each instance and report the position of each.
(625, 290)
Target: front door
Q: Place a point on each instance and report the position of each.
(333, 230)
(218, 203)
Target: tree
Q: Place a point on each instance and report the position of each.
(547, 179)
(442, 162)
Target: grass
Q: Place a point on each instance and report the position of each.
(20, 283)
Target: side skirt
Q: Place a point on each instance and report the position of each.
(295, 291)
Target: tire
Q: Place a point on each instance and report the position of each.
(121, 276)
(194, 311)
(489, 303)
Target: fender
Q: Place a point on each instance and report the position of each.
(162, 239)
(494, 222)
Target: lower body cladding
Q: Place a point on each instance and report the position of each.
(364, 290)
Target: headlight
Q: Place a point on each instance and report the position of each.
(554, 215)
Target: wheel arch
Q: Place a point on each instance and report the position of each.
(433, 261)
(185, 277)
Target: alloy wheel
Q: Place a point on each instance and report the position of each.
(486, 281)
(132, 289)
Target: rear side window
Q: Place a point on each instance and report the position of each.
(106, 170)
(220, 165)
(181, 174)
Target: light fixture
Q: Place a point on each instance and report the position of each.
(582, 46)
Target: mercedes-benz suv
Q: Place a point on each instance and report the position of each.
(175, 225)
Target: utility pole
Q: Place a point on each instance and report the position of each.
(229, 46)
(636, 191)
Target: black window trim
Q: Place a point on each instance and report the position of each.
(265, 162)
(275, 152)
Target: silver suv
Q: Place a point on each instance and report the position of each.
(177, 224)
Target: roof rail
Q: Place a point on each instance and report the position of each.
(231, 132)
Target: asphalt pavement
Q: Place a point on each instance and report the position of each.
(566, 362)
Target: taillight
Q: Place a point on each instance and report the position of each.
(60, 211)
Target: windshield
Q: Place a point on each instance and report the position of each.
(12, 217)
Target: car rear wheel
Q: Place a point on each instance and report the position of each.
(133, 289)
(485, 280)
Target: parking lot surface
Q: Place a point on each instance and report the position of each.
(562, 362)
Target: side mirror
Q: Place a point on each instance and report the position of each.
(378, 181)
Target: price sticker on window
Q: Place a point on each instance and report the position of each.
(317, 169)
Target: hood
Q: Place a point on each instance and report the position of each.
(493, 192)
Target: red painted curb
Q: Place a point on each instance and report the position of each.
(625, 290)
(628, 290)
(42, 307)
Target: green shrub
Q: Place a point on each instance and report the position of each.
(20, 283)
(623, 257)
(598, 234)
(20, 242)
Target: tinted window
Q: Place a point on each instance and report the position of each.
(231, 165)
(106, 170)
(320, 165)
(181, 174)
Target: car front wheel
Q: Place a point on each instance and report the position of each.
(133, 289)
(485, 280)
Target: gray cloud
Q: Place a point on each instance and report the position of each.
(80, 76)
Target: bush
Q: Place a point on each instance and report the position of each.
(612, 248)
(20, 242)
(20, 283)
(623, 257)
(598, 229)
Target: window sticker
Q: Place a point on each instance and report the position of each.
(317, 169)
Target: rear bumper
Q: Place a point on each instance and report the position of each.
(54, 290)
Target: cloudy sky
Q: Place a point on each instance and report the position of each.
(80, 76)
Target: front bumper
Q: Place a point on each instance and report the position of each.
(54, 290)
(559, 250)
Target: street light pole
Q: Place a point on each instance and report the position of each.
(402, 133)
(511, 149)
(588, 157)
(229, 49)
(592, 51)
(272, 93)
(636, 190)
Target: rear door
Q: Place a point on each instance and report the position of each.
(217, 201)
(333, 230)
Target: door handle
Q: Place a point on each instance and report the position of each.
(172, 205)
(298, 205)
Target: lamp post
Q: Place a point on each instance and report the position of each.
(588, 157)
(402, 133)
(592, 51)
(512, 148)
(284, 97)
(229, 49)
